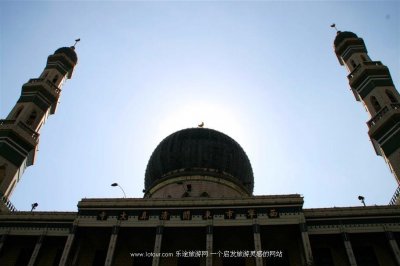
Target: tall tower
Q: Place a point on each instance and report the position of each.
(19, 132)
(371, 83)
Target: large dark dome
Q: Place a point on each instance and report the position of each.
(199, 151)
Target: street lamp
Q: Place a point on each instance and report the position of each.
(34, 205)
(362, 200)
(116, 185)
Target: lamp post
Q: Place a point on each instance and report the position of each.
(34, 205)
(362, 200)
(116, 185)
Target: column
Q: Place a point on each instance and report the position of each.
(36, 250)
(157, 245)
(209, 245)
(349, 250)
(393, 246)
(2, 240)
(257, 243)
(68, 245)
(111, 245)
(306, 243)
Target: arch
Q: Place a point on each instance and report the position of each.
(353, 63)
(55, 79)
(18, 112)
(375, 103)
(31, 119)
(391, 96)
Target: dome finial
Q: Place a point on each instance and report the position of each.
(76, 41)
(201, 125)
(334, 26)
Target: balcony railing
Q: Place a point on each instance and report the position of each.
(396, 195)
(6, 122)
(7, 203)
(359, 67)
(22, 125)
(48, 82)
(29, 130)
(372, 122)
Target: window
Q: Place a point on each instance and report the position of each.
(375, 103)
(31, 119)
(391, 97)
(353, 63)
(55, 79)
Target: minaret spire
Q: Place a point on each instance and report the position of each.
(19, 132)
(76, 41)
(334, 26)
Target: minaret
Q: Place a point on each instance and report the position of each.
(371, 84)
(19, 132)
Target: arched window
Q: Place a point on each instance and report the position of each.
(18, 112)
(391, 97)
(55, 79)
(353, 63)
(375, 104)
(31, 119)
(363, 59)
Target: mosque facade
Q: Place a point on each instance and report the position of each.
(198, 206)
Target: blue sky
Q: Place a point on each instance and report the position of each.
(262, 72)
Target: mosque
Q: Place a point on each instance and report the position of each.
(198, 206)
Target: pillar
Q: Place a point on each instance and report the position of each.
(67, 247)
(2, 240)
(36, 251)
(306, 243)
(209, 245)
(349, 250)
(257, 243)
(157, 246)
(111, 246)
(393, 246)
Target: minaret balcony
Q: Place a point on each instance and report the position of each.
(5, 204)
(392, 108)
(389, 111)
(366, 70)
(21, 129)
(50, 86)
(396, 197)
